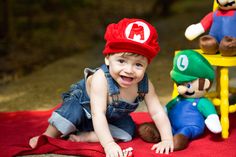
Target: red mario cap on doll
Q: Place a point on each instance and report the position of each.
(132, 35)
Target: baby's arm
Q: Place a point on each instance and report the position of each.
(98, 96)
(161, 120)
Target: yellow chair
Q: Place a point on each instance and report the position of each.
(220, 97)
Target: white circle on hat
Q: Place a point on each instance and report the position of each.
(137, 31)
(182, 62)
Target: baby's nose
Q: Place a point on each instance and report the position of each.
(128, 69)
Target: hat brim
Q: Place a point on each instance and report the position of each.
(181, 78)
(130, 46)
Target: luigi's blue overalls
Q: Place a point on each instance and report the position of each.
(187, 115)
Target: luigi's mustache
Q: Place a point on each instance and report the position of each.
(189, 93)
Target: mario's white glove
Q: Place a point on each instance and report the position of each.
(213, 123)
(194, 31)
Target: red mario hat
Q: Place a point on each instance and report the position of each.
(132, 35)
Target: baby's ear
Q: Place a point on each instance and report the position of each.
(106, 60)
(207, 84)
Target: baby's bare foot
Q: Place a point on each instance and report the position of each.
(74, 138)
(33, 141)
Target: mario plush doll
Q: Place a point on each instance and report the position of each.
(190, 111)
(222, 25)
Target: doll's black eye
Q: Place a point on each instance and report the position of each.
(188, 85)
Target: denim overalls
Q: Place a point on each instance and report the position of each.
(75, 114)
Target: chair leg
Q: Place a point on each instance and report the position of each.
(224, 107)
(232, 108)
(175, 91)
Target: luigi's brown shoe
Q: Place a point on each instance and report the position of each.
(180, 142)
(149, 133)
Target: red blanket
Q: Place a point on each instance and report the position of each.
(18, 127)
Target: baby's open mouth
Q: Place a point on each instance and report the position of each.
(127, 79)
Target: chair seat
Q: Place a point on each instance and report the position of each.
(218, 60)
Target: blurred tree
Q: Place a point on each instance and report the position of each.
(6, 31)
(34, 33)
(163, 6)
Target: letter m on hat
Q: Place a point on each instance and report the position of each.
(136, 30)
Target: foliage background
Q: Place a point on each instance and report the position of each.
(35, 33)
(46, 44)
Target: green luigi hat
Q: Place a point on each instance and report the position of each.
(189, 65)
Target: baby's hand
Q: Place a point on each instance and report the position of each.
(164, 146)
(112, 149)
(128, 152)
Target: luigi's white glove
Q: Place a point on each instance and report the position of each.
(194, 31)
(213, 123)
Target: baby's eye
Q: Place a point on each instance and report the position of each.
(139, 65)
(188, 85)
(121, 60)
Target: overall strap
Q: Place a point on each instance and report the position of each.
(112, 85)
(196, 100)
(88, 72)
(143, 87)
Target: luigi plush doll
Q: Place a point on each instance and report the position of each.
(190, 111)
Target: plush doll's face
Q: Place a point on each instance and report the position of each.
(227, 4)
(194, 89)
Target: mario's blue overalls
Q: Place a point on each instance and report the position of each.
(223, 25)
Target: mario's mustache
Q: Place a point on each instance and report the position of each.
(229, 4)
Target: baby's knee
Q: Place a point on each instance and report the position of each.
(120, 134)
